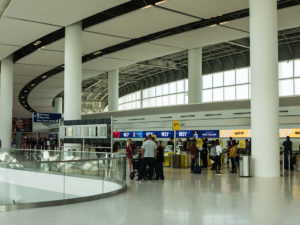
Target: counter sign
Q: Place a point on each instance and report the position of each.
(176, 125)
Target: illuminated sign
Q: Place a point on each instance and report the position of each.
(176, 125)
(241, 133)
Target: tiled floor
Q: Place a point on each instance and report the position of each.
(183, 198)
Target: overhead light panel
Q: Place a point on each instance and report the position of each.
(222, 23)
(37, 43)
(147, 6)
(161, 2)
(97, 53)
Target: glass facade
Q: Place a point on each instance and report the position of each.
(222, 86)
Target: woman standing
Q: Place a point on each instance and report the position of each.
(232, 156)
(129, 152)
(194, 151)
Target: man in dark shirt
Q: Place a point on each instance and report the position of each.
(171, 142)
(288, 150)
(159, 167)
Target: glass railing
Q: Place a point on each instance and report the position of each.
(35, 178)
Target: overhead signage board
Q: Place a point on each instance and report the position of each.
(46, 117)
(176, 125)
(240, 133)
(209, 133)
(293, 133)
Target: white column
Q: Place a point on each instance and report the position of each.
(6, 101)
(73, 72)
(113, 90)
(58, 104)
(264, 88)
(195, 75)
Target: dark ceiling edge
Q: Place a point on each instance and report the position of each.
(25, 91)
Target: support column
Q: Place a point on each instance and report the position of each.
(58, 104)
(6, 101)
(264, 88)
(195, 75)
(73, 72)
(113, 90)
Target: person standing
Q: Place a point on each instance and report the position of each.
(148, 154)
(129, 151)
(232, 156)
(212, 155)
(194, 152)
(187, 144)
(204, 152)
(159, 167)
(171, 142)
(219, 151)
(288, 150)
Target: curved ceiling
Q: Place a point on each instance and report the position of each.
(38, 18)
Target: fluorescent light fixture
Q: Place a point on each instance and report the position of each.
(213, 25)
(42, 47)
(147, 6)
(25, 91)
(32, 85)
(22, 97)
(222, 23)
(44, 76)
(161, 2)
(97, 53)
(37, 43)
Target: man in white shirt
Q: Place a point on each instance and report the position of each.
(219, 151)
(148, 158)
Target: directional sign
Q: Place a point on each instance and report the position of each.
(46, 117)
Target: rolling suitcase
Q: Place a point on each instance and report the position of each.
(197, 167)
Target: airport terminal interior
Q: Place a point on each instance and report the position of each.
(149, 112)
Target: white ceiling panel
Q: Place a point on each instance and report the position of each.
(44, 57)
(201, 37)
(206, 8)
(287, 18)
(106, 64)
(91, 42)
(58, 12)
(30, 69)
(6, 50)
(143, 52)
(142, 22)
(20, 33)
(19, 111)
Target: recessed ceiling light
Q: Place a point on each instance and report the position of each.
(32, 85)
(44, 76)
(147, 6)
(213, 25)
(37, 43)
(222, 23)
(97, 53)
(26, 105)
(22, 97)
(42, 47)
(63, 65)
(161, 2)
(25, 91)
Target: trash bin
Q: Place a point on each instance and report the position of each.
(176, 163)
(245, 166)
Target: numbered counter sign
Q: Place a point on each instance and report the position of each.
(176, 125)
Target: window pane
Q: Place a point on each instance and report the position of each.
(242, 91)
(138, 95)
(218, 79)
(186, 99)
(286, 87)
(249, 69)
(229, 77)
(172, 88)
(229, 93)
(297, 86)
(146, 103)
(186, 83)
(218, 94)
(165, 89)
(207, 95)
(152, 102)
(207, 81)
(249, 87)
(133, 96)
(172, 99)
(128, 98)
(146, 93)
(297, 68)
(165, 100)
(242, 76)
(159, 90)
(285, 69)
(180, 86)
(180, 99)
(152, 92)
(159, 101)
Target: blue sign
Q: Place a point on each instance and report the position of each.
(209, 133)
(46, 117)
(164, 134)
(190, 133)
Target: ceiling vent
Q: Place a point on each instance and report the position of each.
(284, 111)
(166, 117)
(137, 119)
(241, 113)
(214, 114)
(187, 116)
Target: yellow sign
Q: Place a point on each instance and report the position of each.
(176, 125)
(242, 144)
(199, 143)
(154, 137)
(293, 133)
(242, 133)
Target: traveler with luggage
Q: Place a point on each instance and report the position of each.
(232, 156)
(219, 151)
(194, 153)
(130, 153)
(159, 167)
(288, 150)
(204, 152)
(148, 154)
(212, 155)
